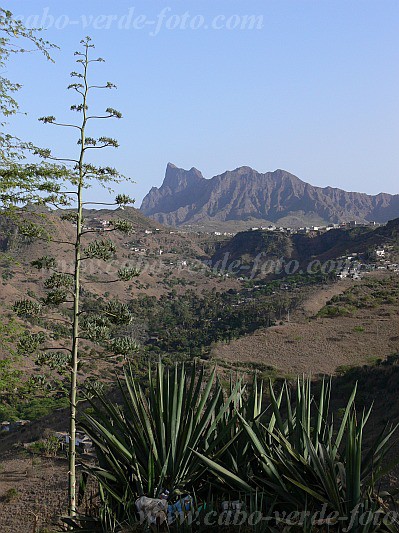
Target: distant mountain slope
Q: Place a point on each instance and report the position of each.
(9, 233)
(246, 247)
(141, 249)
(186, 197)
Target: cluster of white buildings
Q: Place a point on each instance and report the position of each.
(351, 267)
(305, 230)
(354, 265)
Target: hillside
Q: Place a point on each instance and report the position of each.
(260, 246)
(245, 195)
(167, 261)
(362, 346)
(177, 299)
(185, 301)
(159, 253)
(320, 340)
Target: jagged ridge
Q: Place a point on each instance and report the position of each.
(186, 197)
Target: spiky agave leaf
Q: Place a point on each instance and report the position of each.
(150, 442)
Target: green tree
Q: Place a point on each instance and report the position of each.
(14, 39)
(10, 376)
(19, 182)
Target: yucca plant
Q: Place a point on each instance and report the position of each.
(306, 462)
(232, 449)
(148, 443)
(184, 433)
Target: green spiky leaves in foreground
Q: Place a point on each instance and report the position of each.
(185, 434)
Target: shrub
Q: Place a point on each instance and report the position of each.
(358, 329)
(149, 442)
(331, 311)
(11, 495)
(305, 462)
(47, 447)
(183, 434)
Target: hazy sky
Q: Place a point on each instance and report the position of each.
(309, 86)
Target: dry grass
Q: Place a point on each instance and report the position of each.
(40, 488)
(319, 346)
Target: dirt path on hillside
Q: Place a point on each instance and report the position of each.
(318, 346)
(318, 299)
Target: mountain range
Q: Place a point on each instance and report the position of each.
(245, 195)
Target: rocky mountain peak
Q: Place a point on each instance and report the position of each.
(178, 179)
(244, 194)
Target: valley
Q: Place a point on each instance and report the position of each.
(188, 304)
(184, 351)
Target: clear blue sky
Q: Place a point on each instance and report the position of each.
(312, 89)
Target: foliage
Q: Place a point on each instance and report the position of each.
(127, 273)
(10, 378)
(190, 323)
(20, 397)
(149, 443)
(124, 346)
(122, 225)
(11, 495)
(104, 249)
(373, 293)
(290, 456)
(307, 462)
(70, 177)
(48, 447)
(29, 405)
(331, 311)
(27, 308)
(14, 36)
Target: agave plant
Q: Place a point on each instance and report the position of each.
(232, 449)
(185, 434)
(148, 444)
(306, 462)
